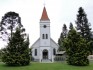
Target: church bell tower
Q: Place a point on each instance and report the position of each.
(44, 29)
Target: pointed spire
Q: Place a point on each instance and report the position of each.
(44, 15)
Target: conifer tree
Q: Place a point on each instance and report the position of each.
(83, 26)
(8, 24)
(64, 30)
(16, 52)
(71, 26)
(76, 49)
(63, 35)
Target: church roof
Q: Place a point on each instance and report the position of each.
(44, 15)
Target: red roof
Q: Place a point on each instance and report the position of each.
(44, 15)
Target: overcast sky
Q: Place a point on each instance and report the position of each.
(59, 12)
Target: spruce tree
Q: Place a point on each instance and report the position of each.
(83, 26)
(64, 30)
(63, 35)
(76, 49)
(16, 52)
(60, 42)
(71, 26)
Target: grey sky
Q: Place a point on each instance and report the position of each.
(59, 12)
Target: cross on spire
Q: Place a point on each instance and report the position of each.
(44, 3)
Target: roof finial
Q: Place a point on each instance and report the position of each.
(44, 3)
(44, 14)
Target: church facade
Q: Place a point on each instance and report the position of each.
(45, 48)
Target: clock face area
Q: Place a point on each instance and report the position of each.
(44, 26)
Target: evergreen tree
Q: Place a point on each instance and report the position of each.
(83, 26)
(17, 51)
(8, 24)
(71, 26)
(60, 42)
(76, 49)
(62, 37)
(64, 30)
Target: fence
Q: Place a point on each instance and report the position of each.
(59, 58)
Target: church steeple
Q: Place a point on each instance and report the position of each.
(44, 29)
(44, 15)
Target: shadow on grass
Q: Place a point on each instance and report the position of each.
(5, 65)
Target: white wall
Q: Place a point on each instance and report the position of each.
(49, 52)
(44, 42)
(33, 53)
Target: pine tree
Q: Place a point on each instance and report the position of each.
(76, 49)
(83, 26)
(71, 26)
(60, 42)
(8, 24)
(17, 51)
(64, 30)
(62, 37)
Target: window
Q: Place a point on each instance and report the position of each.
(44, 26)
(46, 36)
(43, 36)
(54, 51)
(35, 52)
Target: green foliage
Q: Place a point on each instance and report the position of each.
(71, 26)
(0, 54)
(16, 52)
(83, 26)
(8, 24)
(76, 49)
(63, 35)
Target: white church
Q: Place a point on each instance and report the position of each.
(44, 48)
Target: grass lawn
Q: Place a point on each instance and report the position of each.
(47, 66)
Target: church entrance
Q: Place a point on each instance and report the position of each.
(45, 54)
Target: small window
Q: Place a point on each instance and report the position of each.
(54, 51)
(44, 26)
(35, 52)
(43, 36)
(46, 36)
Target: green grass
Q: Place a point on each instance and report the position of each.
(47, 66)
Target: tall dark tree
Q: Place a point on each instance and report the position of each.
(71, 26)
(76, 49)
(63, 35)
(8, 24)
(64, 30)
(83, 26)
(60, 42)
(16, 52)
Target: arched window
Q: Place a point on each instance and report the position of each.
(54, 51)
(46, 36)
(43, 37)
(35, 52)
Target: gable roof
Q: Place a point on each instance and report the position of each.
(54, 42)
(35, 42)
(38, 40)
